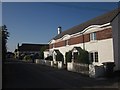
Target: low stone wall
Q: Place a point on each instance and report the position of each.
(57, 64)
(69, 66)
(87, 69)
(96, 71)
(93, 71)
(81, 68)
(61, 65)
(44, 62)
(48, 63)
(37, 61)
(78, 67)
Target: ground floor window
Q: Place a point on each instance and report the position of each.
(93, 56)
(96, 56)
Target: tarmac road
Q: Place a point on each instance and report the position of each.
(19, 74)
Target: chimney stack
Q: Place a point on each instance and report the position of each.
(59, 29)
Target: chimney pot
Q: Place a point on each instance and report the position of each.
(59, 29)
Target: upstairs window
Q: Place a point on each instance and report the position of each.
(93, 36)
(66, 42)
(53, 45)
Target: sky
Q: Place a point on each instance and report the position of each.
(0, 14)
(37, 22)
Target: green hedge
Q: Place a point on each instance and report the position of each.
(59, 57)
(68, 56)
(83, 57)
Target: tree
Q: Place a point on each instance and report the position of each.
(42, 51)
(5, 35)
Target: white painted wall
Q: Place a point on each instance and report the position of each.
(104, 48)
(46, 54)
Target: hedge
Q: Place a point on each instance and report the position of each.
(83, 57)
(68, 56)
(59, 57)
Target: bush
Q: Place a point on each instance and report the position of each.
(36, 56)
(83, 57)
(49, 58)
(59, 57)
(68, 56)
(27, 57)
(41, 55)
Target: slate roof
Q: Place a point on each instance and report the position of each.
(103, 19)
(32, 47)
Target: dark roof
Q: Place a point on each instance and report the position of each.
(103, 19)
(32, 47)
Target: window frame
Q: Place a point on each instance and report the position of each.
(53, 45)
(66, 42)
(93, 36)
(94, 57)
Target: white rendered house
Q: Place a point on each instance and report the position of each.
(98, 36)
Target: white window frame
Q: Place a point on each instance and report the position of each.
(93, 36)
(94, 57)
(53, 45)
(66, 42)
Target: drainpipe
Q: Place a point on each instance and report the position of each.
(83, 41)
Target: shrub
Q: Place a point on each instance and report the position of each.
(49, 58)
(59, 57)
(42, 51)
(36, 56)
(83, 57)
(27, 57)
(68, 56)
(41, 55)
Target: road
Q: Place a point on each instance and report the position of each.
(18, 74)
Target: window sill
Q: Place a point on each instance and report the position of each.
(67, 45)
(93, 41)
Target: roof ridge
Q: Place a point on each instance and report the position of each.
(104, 18)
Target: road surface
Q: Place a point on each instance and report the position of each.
(19, 74)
